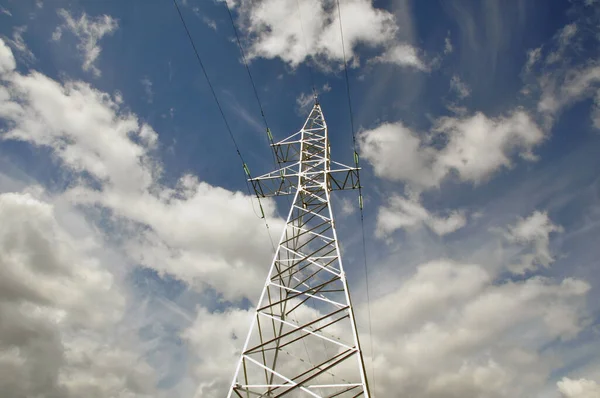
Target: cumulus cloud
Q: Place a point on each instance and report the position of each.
(57, 302)
(402, 55)
(453, 331)
(7, 59)
(397, 153)
(476, 147)
(534, 232)
(295, 31)
(89, 31)
(218, 336)
(112, 157)
(581, 388)
(76, 309)
(401, 212)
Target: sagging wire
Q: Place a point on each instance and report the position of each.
(360, 198)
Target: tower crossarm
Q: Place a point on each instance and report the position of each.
(285, 180)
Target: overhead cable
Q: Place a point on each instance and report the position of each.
(310, 71)
(212, 90)
(245, 60)
(356, 161)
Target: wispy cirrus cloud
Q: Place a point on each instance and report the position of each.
(459, 87)
(18, 43)
(5, 11)
(147, 85)
(557, 76)
(89, 31)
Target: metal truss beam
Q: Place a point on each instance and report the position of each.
(303, 340)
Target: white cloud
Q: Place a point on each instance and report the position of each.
(111, 155)
(403, 55)
(533, 56)
(581, 388)
(57, 34)
(401, 212)
(534, 232)
(348, 207)
(193, 231)
(57, 302)
(476, 147)
(217, 337)
(447, 329)
(448, 48)
(398, 154)
(304, 103)
(560, 75)
(89, 31)
(564, 37)
(210, 22)
(5, 11)
(459, 87)
(19, 44)
(147, 84)
(564, 89)
(276, 30)
(7, 60)
(456, 332)
(457, 110)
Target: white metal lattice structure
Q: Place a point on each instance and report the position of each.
(303, 340)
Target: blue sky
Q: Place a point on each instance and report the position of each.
(478, 125)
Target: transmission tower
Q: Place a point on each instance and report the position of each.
(303, 340)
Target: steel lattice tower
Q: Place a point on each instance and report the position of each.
(303, 340)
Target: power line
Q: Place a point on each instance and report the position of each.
(362, 218)
(237, 37)
(346, 75)
(310, 71)
(212, 90)
(262, 112)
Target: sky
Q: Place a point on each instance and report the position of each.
(132, 254)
